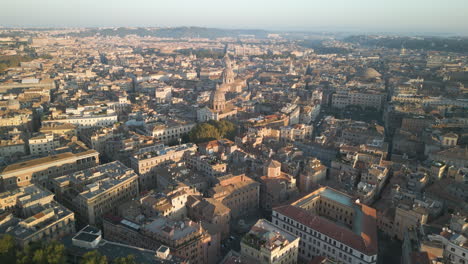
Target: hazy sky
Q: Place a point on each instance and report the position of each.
(364, 15)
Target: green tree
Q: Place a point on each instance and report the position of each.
(94, 257)
(204, 132)
(7, 249)
(225, 128)
(35, 253)
(26, 255)
(12, 61)
(130, 259)
(55, 253)
(39, 257)
(212, 130)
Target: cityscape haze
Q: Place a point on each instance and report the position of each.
(397, 16)
(210, 132)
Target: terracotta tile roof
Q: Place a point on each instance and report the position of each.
(273, 164)
(209, 144)
(366, 242)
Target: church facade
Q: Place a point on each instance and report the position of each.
(218, 108)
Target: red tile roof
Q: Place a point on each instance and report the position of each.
(366, 242)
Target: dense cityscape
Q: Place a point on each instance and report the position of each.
(199, 145)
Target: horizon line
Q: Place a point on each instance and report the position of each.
(316, 30)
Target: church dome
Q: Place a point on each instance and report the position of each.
(370, 73)
(227, 75)
(218, 96)
(218, 99)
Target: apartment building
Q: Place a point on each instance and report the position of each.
(97, 191)
(163, 94)
(406, 217)
(12, 146)
(309, 113)
(455, 249)
(210, 211)
(87, 121)
(169, 131)
(208, 165)
(265, 243)
(43, 144)
(314, 173)
(147, 159)
(42, 170)
(358, 133)
(362, 98)
(30, 214)
(16, 120)
(221, 147)
(416, 124)
(177, 173)
(59, 129)
(185, 239)
(296, 132)
(46, 84)
(276, 187)
(239, 193)
(90, 239)
(170, 204)
(331, 224)
(98, 138)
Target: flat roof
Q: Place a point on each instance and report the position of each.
(100, 178)
(42, 161)
(91, 229)
(115, 250)
(59, 213)
(86, 237)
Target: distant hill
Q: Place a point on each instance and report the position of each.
(176, 32)
(319, 48)
(450, 44)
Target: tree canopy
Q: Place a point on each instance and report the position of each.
(12, 61)
(93, 257)
(50, 253)
(7, 249)
(35, 253)
(212, 130)
(130, 259)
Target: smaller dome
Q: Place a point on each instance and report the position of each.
(218, 95)
(370, 73)
(218, 99)
(227, 75)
